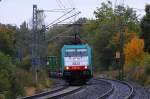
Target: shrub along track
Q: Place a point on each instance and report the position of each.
(59, 86)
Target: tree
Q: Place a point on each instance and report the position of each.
(23, 40)
(7, 39)
(105, 12)
(8, 83)
(107, 25)
(145, 28)
(101, 47)
(134, 53)
(6, 69)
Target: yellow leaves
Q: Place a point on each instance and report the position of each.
(126, 35)
(134, 54)
(133, 48)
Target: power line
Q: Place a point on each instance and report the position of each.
(64, 19)
(58, 4)
(139, 9)
(55, 10)
(58, 35)
(61, 4)
(60, 17)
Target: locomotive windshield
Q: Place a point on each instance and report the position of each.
(76, 52)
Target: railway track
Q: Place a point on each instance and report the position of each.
(120, 90)
(55, 93)
(45, 93)
(92, 90)
(104, 89)
(96, 88)
(67, 91)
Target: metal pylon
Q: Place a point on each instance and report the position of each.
(35, 64)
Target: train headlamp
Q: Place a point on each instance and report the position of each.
(85, 67)
(67, 68)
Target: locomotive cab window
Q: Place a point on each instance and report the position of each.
(76, 52)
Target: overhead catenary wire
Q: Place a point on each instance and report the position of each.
(58, 3)
(58, 35)
(141, 10)
(62, 4)
(74, 12)
(56, 10)
(70, 12)
(60, 17)
(72, 4)
(63, 19)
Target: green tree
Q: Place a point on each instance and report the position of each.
(107, 24)
(9, 85)
(23, 40)
(6, 69)
(145, 28)
(7, 39)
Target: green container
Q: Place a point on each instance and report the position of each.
(52, 63)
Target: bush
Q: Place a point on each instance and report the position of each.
(6, 69)
(8, 81)
(147, 65)
(25, 63)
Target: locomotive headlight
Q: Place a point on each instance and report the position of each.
(85, 67)
(67, 68)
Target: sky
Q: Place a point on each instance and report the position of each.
(16, 11)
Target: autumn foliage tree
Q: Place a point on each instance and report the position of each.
(134, 52)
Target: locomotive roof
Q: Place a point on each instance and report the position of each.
(76, 46)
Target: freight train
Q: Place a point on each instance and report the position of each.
(76, 63)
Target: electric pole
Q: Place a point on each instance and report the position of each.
(34, 42)
(121, 45)
(38, 42)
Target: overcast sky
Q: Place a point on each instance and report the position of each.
(16, 11)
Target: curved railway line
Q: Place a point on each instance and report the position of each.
(62, 91)
(104, 89)
(122, 90)
(96, 88)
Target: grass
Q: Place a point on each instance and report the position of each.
(27, 80)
